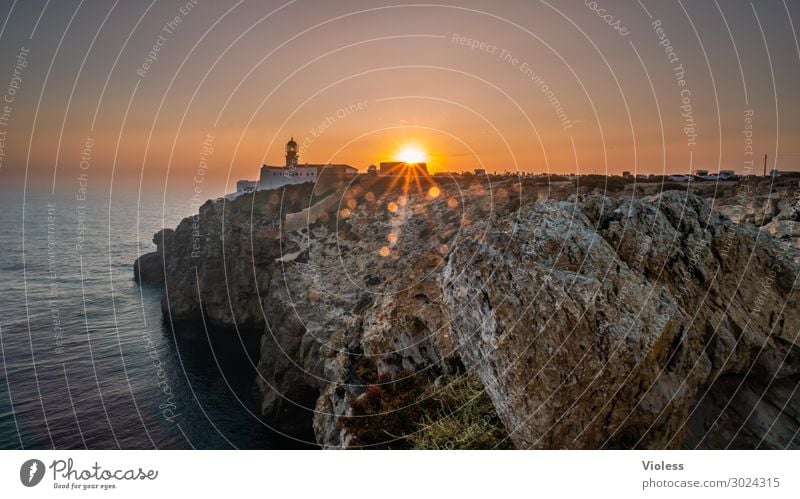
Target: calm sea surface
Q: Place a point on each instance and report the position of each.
(87, 359)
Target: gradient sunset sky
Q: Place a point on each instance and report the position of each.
(353, 81)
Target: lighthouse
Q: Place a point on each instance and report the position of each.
(291, 153)
(274, 177)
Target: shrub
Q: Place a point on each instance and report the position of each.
(602, 183)
(387, 412)
(409, 411)
(465, 418)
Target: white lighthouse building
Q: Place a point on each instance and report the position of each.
(293, 172)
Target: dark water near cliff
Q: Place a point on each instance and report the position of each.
(87, 360)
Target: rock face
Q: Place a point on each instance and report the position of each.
(149, 268)
(591, 322)
(772, 204)
(607, 326)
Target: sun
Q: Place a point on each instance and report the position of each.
(411, 154)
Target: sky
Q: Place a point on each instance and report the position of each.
(174, 94)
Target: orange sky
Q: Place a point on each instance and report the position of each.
(515, 85)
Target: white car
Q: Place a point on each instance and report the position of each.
(680, 178)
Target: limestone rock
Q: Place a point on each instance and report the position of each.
(604, 331)
(591, 321)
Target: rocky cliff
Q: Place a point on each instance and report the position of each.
(773, 204)
(481, 314)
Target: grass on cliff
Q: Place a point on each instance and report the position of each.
(409, 412)
(465, 419)
(383, 416)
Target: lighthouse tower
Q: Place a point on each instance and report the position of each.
(292, 153)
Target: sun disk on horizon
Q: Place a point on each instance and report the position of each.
(411, 154)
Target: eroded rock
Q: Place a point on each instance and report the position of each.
(592, 322)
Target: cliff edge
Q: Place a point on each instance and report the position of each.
(477, 313)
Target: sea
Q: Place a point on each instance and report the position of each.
(87, 361)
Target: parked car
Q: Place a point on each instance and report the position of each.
(718, 177)
(680, 178)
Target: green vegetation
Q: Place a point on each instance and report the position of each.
(602, 184)
(410, 412)
(465, 418)
(386, 413)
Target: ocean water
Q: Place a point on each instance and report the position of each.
(86, 358)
